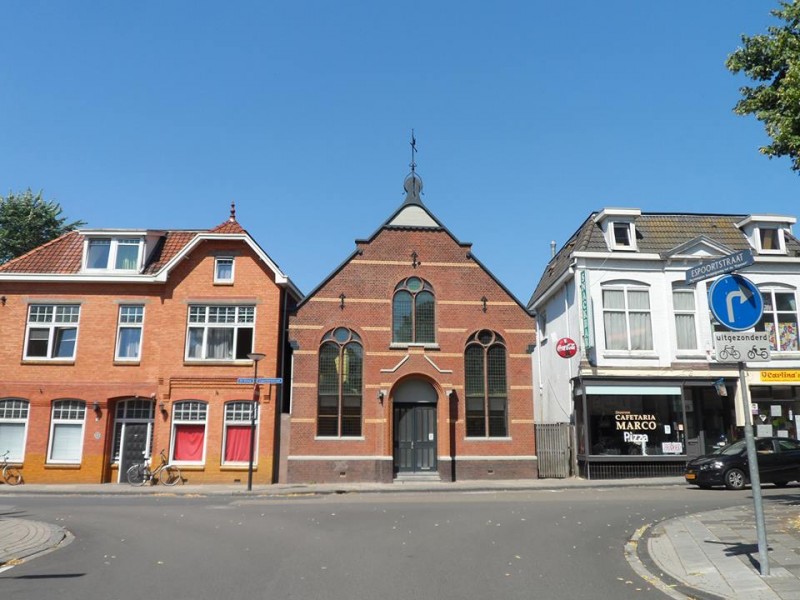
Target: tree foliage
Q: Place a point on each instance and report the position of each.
(772, 61)
(28, 221)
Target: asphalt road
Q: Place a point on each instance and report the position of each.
(452, 545)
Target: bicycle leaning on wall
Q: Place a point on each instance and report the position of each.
(168, 474)
(11, 474)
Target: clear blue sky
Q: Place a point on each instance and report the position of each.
(528, 116)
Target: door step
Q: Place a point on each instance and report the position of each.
(425, 477)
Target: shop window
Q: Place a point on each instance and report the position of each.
(189, 431)
(413, 312)
(485, 385)
(13, 427)
(626, 318)
(237, 432)
(340, 382)
(635, 425)
(66, 431)
(780, 320)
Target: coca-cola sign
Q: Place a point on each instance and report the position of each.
(566, 347)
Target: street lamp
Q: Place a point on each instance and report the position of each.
(255, 357)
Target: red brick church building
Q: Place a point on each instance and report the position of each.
(411, 360)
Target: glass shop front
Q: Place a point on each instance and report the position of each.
(633, 429)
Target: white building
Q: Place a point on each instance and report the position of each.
(641, 388)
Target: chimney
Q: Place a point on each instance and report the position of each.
(552, 248)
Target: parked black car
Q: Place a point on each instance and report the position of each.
(778, 463)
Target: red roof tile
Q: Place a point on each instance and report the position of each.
(61, 255)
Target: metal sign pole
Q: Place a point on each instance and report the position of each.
(755, 480)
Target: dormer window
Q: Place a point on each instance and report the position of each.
(623, 235)
(770, 240)
(767, 233)
(113, 254)
(619, 227)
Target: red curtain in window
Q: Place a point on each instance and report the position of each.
(189, 442)
(237, 443)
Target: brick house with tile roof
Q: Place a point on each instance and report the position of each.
(645, 337)
(118, 343)
(411, 360)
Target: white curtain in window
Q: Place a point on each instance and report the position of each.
(195, 342)
(616, 331)
(12, 438)
(224, 270)
(683, 303)
(67, 442)
(220, 343)
(129, 342)
(687, 337)
(641, 331)
(614, 322)
(641, 328)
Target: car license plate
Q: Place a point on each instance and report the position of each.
(691, 476)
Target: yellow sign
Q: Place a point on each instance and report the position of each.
(784, 375)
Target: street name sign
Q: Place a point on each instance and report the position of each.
(741, 346)
(720, 266)
(260, 380)
(735, 302)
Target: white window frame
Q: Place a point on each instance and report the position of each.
(127, 324)
(10, 411)
(76, 416)
(626, 310)
(243, 419)
(771, 291)
(227, 259)
(49, 320)
(114, 243)
(685, 312)
(207, 317)
(612, 232)
(177, 407)
(781, 249)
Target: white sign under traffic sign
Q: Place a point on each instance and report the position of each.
(740, 346)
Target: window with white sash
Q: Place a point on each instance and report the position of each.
(626, 318)
(13, 428)
(220, 332)
(129, 332)
(66, 432)
(52, 331)
(683, 305)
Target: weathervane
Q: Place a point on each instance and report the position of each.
(413, 153)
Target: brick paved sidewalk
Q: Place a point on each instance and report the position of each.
(21, 539)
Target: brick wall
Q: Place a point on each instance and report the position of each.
(368, 282)
(162, 374)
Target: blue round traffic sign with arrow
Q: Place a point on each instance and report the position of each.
(736, 302)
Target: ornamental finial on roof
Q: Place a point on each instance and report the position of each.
(232, 218)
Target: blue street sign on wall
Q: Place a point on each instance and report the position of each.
(719, 266)
(736, 302)
(260, 380)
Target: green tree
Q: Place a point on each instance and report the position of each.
(772, 60)
(28, 221)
